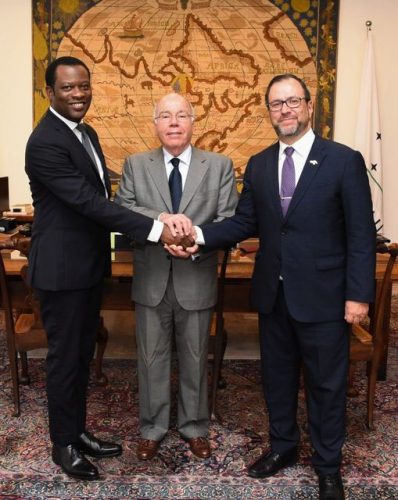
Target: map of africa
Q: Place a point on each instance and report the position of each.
(219, 54)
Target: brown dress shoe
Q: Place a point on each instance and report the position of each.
(147, 449)
(200, 447)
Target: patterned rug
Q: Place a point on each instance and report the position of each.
(370, 467)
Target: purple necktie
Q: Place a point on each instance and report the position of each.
(288, 182)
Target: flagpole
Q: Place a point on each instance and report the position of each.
(368, 129)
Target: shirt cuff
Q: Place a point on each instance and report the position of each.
(199, 236)
(156, 231)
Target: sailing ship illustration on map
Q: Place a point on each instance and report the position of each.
(133, 28)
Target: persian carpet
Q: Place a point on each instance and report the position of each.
(370, 467)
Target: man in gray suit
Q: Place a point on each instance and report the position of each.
(178, 183)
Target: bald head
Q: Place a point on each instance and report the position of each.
(173, 97)
(173, 118)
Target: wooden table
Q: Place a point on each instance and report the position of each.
(240, 265)
(238, 278)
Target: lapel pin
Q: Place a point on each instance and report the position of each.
(313, 162)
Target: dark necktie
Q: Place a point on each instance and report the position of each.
(88, 147)
(86, 142)
(175, 184)
(288, 181)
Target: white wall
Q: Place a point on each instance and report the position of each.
(15, 94)
(351, 51)
(16, 88)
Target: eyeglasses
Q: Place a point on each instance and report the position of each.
(166, 117)
(291, 102)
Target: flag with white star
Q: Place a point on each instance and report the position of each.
(368, 132)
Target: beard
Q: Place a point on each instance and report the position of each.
(294, 130)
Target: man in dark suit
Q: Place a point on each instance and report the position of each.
(70, 255)
(313, 275)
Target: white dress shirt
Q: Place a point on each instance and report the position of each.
(185, 161)
(300, 154)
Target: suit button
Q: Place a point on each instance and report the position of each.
(283, 233)
(168, 257)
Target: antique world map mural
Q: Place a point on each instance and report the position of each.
(221, 54)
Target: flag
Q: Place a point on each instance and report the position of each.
(368, 132)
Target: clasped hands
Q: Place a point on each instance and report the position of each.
(178, 236)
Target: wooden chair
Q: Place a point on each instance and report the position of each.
(369, 344)
(24, 329)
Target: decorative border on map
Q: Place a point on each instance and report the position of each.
(326, 63)
(316, 20)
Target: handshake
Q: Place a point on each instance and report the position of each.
(178, 236)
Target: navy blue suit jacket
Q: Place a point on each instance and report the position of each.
(70, 246)
(325, 246)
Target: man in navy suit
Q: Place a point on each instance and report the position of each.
(70, 255)
(313, 275)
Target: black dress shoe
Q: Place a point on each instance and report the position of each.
(331, 487)
(74, 463)
(270, 463)
(90, 445)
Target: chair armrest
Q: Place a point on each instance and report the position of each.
(361, 334)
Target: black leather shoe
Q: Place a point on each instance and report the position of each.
(270, 463)
(331, 487)
(74, 463)
(90, 445)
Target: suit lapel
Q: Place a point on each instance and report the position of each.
(272, 178)
(311, 168)
(157, 171)
(197, 170)
(62, 128)
(100, 154)
(265, 180)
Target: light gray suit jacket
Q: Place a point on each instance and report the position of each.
(209, 195)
